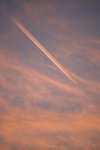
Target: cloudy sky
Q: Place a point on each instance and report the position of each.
(40, 107)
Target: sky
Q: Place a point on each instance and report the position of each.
(40, 107)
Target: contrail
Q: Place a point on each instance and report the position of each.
(35, 41)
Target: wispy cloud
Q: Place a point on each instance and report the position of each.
(39, 107)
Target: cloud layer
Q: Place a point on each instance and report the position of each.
(39, 108)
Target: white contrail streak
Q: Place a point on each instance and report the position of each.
(35, 41)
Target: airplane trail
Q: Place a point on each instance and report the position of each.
(35, 41)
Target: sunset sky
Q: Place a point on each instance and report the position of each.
(40, 107)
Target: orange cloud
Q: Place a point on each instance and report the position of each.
(39, 107)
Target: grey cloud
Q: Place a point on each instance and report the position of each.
(2, 139)
(44, 104)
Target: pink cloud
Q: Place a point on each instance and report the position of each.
(39, 107)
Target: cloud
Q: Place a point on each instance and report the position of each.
(39, 107)
(37, 9)
(51, 129)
